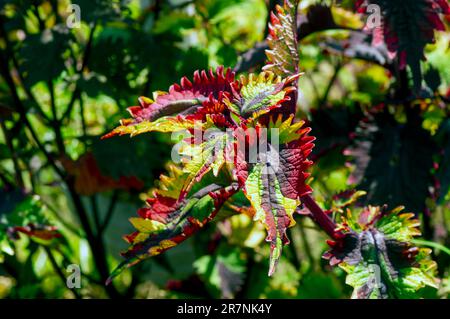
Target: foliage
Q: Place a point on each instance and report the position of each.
(233, 148)
(408, 27)
(22, 214)
(377, 253)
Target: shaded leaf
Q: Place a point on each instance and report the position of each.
(224, 271)
(443, 172)
(141, 158)
(408, 26)
(49, 46)
(382, 153)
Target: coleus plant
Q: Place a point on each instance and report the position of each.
(240, 137)
(406, 28)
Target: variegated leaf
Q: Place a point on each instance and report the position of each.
(378, 256)
(168, 222)
(283, 57)
(209, 154)
(259, 94)
(176, 110)
(275, 179)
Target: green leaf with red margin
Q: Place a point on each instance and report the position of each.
(275, 182)
(168, 221)
(176, 109)
(378, 256)
(283, 57)
(209, 154)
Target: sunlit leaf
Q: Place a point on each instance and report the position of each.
(175, 110)
(260, 94)
(275, 180)
(180, 219)
(378, 256)
(283, 54)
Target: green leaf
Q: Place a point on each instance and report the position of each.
(102, 10)
(49, 46)
(22, 214)
(259, 94)
(224, 271)
(377, 253)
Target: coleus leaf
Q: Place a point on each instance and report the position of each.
(164, 125)
(283, 57)
(382, 153)
(89, 179)
(260, 94)
(169, 219)
(275, 179)
(345, 199)
(378, 256)
(210, 154)
(272, 208)
(408, 26)
(169, 112)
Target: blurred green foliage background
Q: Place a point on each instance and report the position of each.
(62, 88)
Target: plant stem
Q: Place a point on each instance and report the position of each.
(306, 245)
(320, 217)
(337, 68)
(82, 117)
(77, 93)
(23, 114)
(431, 244)
(109, 212)
(14, 158)
(58, 271)
(95, 212)
(97, 247)
(55, 123)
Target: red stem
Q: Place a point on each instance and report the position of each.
(320, 217)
